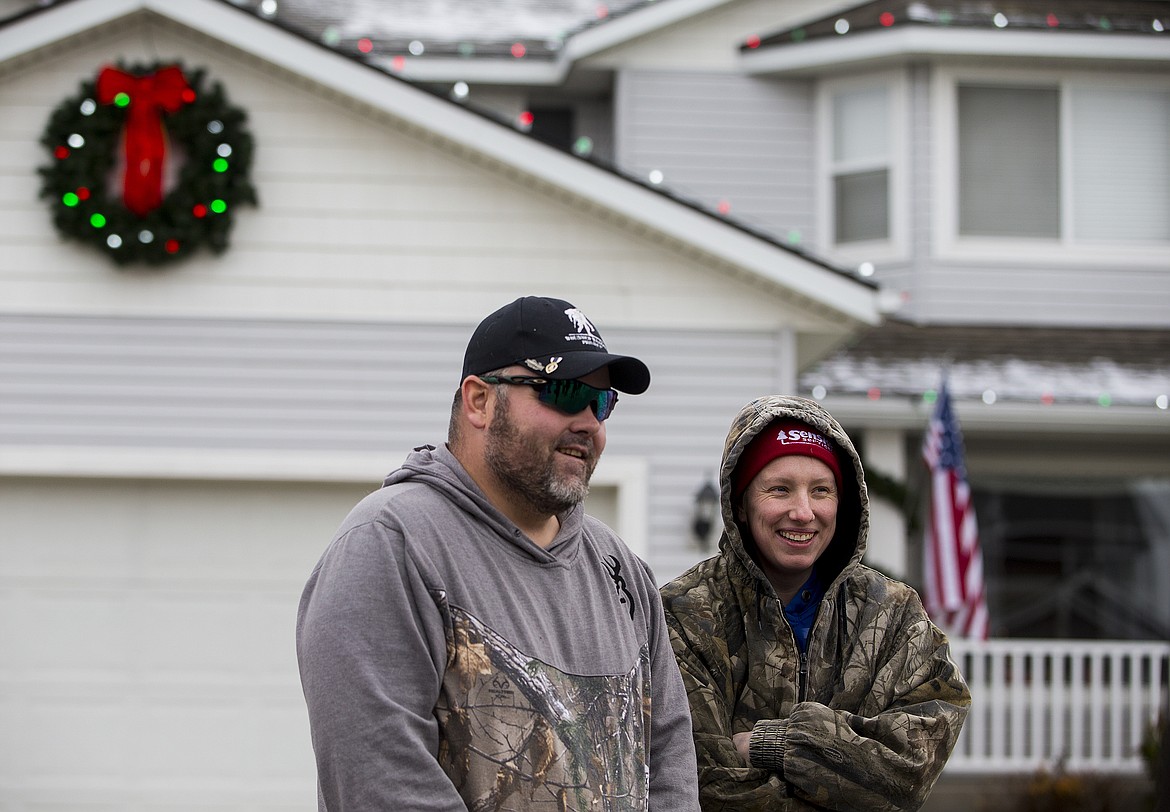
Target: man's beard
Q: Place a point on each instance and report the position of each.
(529, 469)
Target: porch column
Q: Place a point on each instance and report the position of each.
(885, 452)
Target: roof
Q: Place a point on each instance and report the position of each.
(491, 29)
(1147, 17)
(1037, 366)
(884, 30)
(468, 30)
(479, 30)
(507, 42)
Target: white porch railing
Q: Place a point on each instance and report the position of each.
(1087, 703)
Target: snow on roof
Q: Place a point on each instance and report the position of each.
(1039, 365)
(1116, 16)
(445, 28)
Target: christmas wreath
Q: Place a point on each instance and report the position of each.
(116, 145)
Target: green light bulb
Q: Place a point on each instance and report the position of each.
(220, 165)
(97, 220)
(122, 99)
(70, 199)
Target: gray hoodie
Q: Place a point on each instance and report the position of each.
(450, 663)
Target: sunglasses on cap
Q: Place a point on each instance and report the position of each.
(569, 396)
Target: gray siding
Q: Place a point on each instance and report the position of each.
(700, 381)
(135, 383)
(907, 275)
(182, 383)
(1043, 294)
(722, 137)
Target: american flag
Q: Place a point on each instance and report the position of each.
(955, 597)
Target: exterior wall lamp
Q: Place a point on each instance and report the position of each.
(706, 513)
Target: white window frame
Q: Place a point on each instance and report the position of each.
(950, 244)
(631, 477)
(896, 245)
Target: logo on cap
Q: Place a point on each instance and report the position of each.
(787, 436)
(580, 321)
(586, 332)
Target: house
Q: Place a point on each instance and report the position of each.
(1001, 170)
(752, 195)
(181, 434)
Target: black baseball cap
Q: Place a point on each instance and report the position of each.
(553, 339)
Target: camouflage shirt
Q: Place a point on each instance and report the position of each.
(867, 719)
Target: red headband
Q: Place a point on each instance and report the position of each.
(779, 439)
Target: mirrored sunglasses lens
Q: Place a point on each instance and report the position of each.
(603, 405)
(572, 396)
(568, 396)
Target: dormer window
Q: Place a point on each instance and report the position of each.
(1009, 161)
(863, 165)
(860, 166)
(1052, 162)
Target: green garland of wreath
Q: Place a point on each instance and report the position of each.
(83, 137)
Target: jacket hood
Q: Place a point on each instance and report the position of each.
(848, 544)
(438, 468)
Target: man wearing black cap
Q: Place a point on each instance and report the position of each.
(471, 639)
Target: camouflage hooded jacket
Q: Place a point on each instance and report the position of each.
(867, 720)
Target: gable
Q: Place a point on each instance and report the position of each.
(709, 40)
(367, 210)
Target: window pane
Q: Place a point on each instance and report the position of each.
(861, 125)
(1121, 164)
(1075, 562)
(861, 206)
(1009, 162)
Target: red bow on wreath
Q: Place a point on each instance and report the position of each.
(149, 96)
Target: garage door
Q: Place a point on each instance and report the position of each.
(147, 642)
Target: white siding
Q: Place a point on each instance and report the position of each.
(700, 382)
(120, 386)
(181, 383)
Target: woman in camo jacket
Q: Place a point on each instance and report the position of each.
(814, 681)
